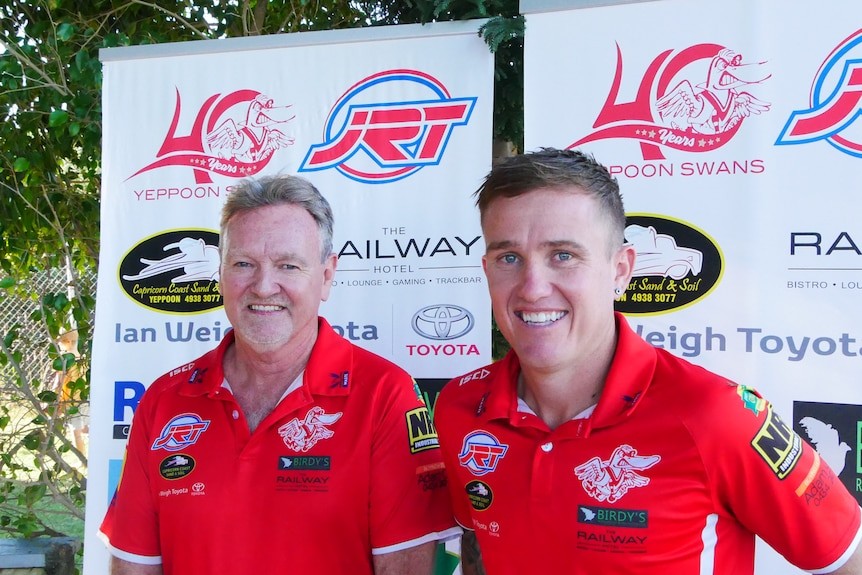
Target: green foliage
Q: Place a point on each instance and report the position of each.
(41, 469)
(505, 36)
(50, 177)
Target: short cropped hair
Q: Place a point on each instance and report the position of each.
(556, 169)
(254, 193)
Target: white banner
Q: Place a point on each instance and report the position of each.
(383, 121)
(733, 129)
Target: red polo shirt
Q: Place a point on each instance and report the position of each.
(673, 473)
(346, 466)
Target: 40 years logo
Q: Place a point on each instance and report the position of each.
(374, 137)
(695, 100)
(233, 135)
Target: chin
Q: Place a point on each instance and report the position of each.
(263, 340)
(539, 358)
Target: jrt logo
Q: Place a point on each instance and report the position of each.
(835, 103)
(371, 139)
(481, 452)
(180, 432)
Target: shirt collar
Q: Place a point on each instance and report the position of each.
(328, 371)
(628, 378)
(330, 367)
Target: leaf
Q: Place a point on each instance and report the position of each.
(60, 301)
(10, 338)
(64, 362)
(21, 165)
(65, 31)
(58, 118)
(499, 30)
(7, 282)
(32, 440)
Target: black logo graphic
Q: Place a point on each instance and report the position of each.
(676, 265)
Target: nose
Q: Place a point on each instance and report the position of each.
(264, 283)
(534, 283)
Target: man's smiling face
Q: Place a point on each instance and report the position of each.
(552, 268)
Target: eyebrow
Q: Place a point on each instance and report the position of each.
(286, 256)
(508, 244)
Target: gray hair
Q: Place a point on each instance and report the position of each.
(277, 190)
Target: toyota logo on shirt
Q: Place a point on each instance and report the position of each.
(442, 321)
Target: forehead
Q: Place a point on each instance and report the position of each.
(272, 225)
(542, 203)
(546, 215)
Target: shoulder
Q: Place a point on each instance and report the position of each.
(196, 372)
(332, 353)
(368, 360)
(711, 406)
(468, 389)
(689, 382)
(471, 383)
(708, 404)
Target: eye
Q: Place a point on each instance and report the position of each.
(563, 256)
(508, 258)
(241, 264)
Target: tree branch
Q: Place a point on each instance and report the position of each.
(179, 18)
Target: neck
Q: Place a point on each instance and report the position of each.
(557, 400)
(258, 380)
(559, 394)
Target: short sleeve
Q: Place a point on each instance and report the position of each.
(774, 483)
(130, 527)
(409, 501)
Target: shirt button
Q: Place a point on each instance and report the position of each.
(547, 447)
(235, 414)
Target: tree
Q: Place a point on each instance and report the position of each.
(50, 177)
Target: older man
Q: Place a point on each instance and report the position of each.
(586, 451)
(286, 448)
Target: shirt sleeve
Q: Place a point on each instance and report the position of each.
(776, 484)
(409, 501)
(130, 527)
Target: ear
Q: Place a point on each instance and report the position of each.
(328, 275)
(624, 265)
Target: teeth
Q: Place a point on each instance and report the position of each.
(542, 316)
(265, 307)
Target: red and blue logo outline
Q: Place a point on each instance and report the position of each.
(481, 452)
(399, 137)
(180, 432)
(831, 111)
